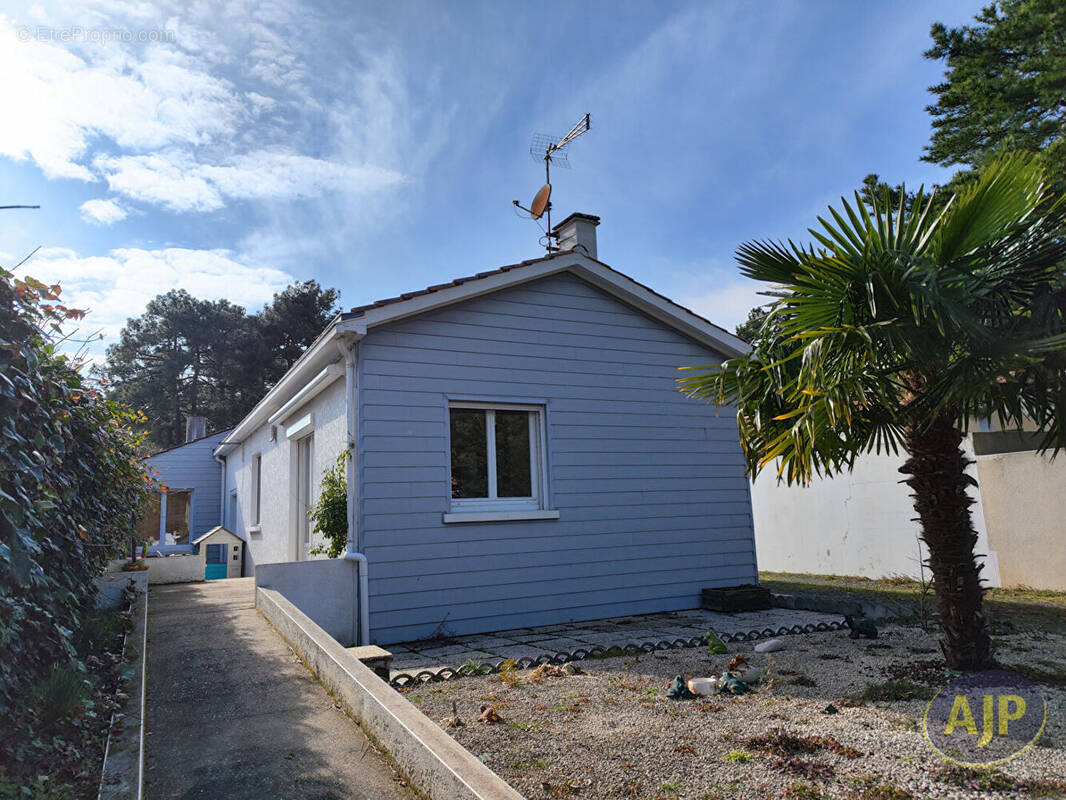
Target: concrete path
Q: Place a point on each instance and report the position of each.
(233, 714)
(433, 654)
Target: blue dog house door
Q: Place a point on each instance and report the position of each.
(216, 562)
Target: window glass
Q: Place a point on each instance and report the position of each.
(469, 453)
(257, 488)
(148, 527)
(513, 477)
(177, 522)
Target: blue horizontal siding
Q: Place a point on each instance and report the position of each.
(649, 484)
(192, 466)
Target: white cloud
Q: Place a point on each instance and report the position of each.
(224, 109)
(60, 101)
(102, 212)
(118, 286)
(176, 181)
(728, 305)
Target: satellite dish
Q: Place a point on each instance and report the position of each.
(552, 150)
(540, 202)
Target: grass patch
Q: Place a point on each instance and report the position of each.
(991, 779)
(804, 791)
(803, 768)
(784, 744)
(869, 787)
(522, 725)
(896, 690)
(738, 756)
(1031, 608)
(1056, 677)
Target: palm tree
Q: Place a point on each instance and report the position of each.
(900, 328)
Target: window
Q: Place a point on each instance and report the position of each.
(257, 483)
(304, 500)
(497, 462)
(178, 505)
(168, 518)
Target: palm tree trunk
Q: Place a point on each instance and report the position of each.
(936, 469)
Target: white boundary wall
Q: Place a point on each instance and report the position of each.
(857, 523)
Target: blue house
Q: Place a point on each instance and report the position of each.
(516, 452)
(189, 503)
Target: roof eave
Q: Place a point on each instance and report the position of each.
(321, 353)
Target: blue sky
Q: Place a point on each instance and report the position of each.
(377, 147)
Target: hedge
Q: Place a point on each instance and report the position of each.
(71, 487)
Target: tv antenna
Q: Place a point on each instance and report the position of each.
(551, 150)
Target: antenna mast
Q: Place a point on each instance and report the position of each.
(551, 151)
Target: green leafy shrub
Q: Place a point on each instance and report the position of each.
(330, 513)
(71, 489)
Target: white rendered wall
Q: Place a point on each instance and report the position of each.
(176, 568)
(277, 540)
(857, 523)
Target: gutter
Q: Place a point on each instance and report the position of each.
(349, 352)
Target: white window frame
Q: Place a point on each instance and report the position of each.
(493, 508)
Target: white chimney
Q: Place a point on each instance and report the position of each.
(195, 428)
(578, 233)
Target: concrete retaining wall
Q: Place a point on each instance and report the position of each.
(434, 763)
(122, 773)
(325, 590)
(111, 584)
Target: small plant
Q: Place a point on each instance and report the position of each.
(509, 672)
(672, 787)
(523, 725)
(738, 756)
(329, 515)
(61, 693)
(473, 666)
(923, 590)
(802, 680)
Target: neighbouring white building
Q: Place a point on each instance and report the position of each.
(862, 522)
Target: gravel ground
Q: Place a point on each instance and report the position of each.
(613, 732)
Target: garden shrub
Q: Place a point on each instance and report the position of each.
(71, 490)
(329, 515)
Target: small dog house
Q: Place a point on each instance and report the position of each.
(224, 553)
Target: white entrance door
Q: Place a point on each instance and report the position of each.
(305, 447)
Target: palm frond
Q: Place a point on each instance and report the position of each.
(902, 313)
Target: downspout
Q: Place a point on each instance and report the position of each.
(352, 554)
(222, 501)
